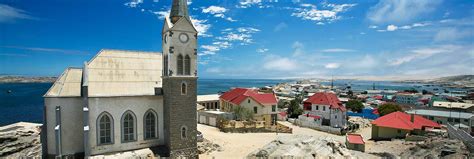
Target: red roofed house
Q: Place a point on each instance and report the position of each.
(264, 105)
(399, 124)
(328, 107)
(355, 142)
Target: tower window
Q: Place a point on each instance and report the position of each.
(180, 64)
(183, 88)
(184, 132)
(187, 65)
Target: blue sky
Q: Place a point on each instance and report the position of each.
(372, 39)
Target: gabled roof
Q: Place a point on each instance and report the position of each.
(67, 85)
(326, 98)
(123, 73)
(355, 139)
(400, 120)
(237, 95)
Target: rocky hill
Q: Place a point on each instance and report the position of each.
(449, 81)
(20, 140)
(23, 79)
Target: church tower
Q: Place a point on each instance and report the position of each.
(179, 45)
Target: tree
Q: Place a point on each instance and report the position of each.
(388, 108)
(355, 105)
(242, 113)
(294, 110)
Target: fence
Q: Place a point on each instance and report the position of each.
(317, 126)
(251, 126)
(462, 135)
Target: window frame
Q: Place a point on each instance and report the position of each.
(98, 127)
(187, 65)
(180, 62)
(153, 112)
(184, 88)
(122, 126)
(185, 132)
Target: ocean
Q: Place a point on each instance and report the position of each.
(25, 102)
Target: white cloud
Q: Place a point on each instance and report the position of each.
(311, 12)
(337, 50)
(256, 3)
(373, 26)
(162, 14)
(242, 34)
(392, 27)
(10, 14)
(277, 63)
(280, 26)
(133, 3)
(400, 11)
(451, 34)
(298, 48)
(424, 53)
(332, 65)
(218, 12)
(262, 50)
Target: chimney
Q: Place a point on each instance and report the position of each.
(412, 118)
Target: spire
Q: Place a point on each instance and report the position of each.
(179, 9)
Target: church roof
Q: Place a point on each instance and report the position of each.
(123, 73)
(67, 85)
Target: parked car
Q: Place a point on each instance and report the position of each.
(199, 136)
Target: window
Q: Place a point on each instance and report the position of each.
(324, 108)
(128, 127)
(335, 116)
(184, 132)
(165, 71)
(317, 107)
(180, 64)
(105, 127)
(187, 65)
(399, 131)
(255, 110)
(465, 120)
(457, 120)
(450, 119)
(248, 101)
(183, 88)
(150, 125)
(274, 108)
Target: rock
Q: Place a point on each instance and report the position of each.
(206, 147)
(20, 140)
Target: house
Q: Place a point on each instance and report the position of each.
(399, 124)
(406, 98)
(212, 117)
(328, 107)
(453, 106)
(209, 101)
(263, 105)
(444, 117)
(127, 100)
(282, 116)
(355, 142)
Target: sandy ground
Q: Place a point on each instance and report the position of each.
(239, 145)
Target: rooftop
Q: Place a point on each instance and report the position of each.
(400, 120)
(441, 113)
(452, 105)
(67, 85)
(237, 95)
(326, 98)
(208, 97)
(355, 139)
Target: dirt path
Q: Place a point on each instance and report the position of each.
(239, 145)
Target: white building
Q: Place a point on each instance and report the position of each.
(328, 107)
(127, 100)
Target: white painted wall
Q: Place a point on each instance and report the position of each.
(71, 124)
(116, 106)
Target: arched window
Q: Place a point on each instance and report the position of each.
(105, 128)
(183, 88)
(180, 64)
(187, 65)
(165, 70)
(150, 125)
(184, 132)
(128, 127)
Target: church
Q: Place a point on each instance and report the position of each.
(127, 100)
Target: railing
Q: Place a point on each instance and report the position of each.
(462, 135)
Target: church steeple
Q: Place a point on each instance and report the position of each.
(178, 10)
